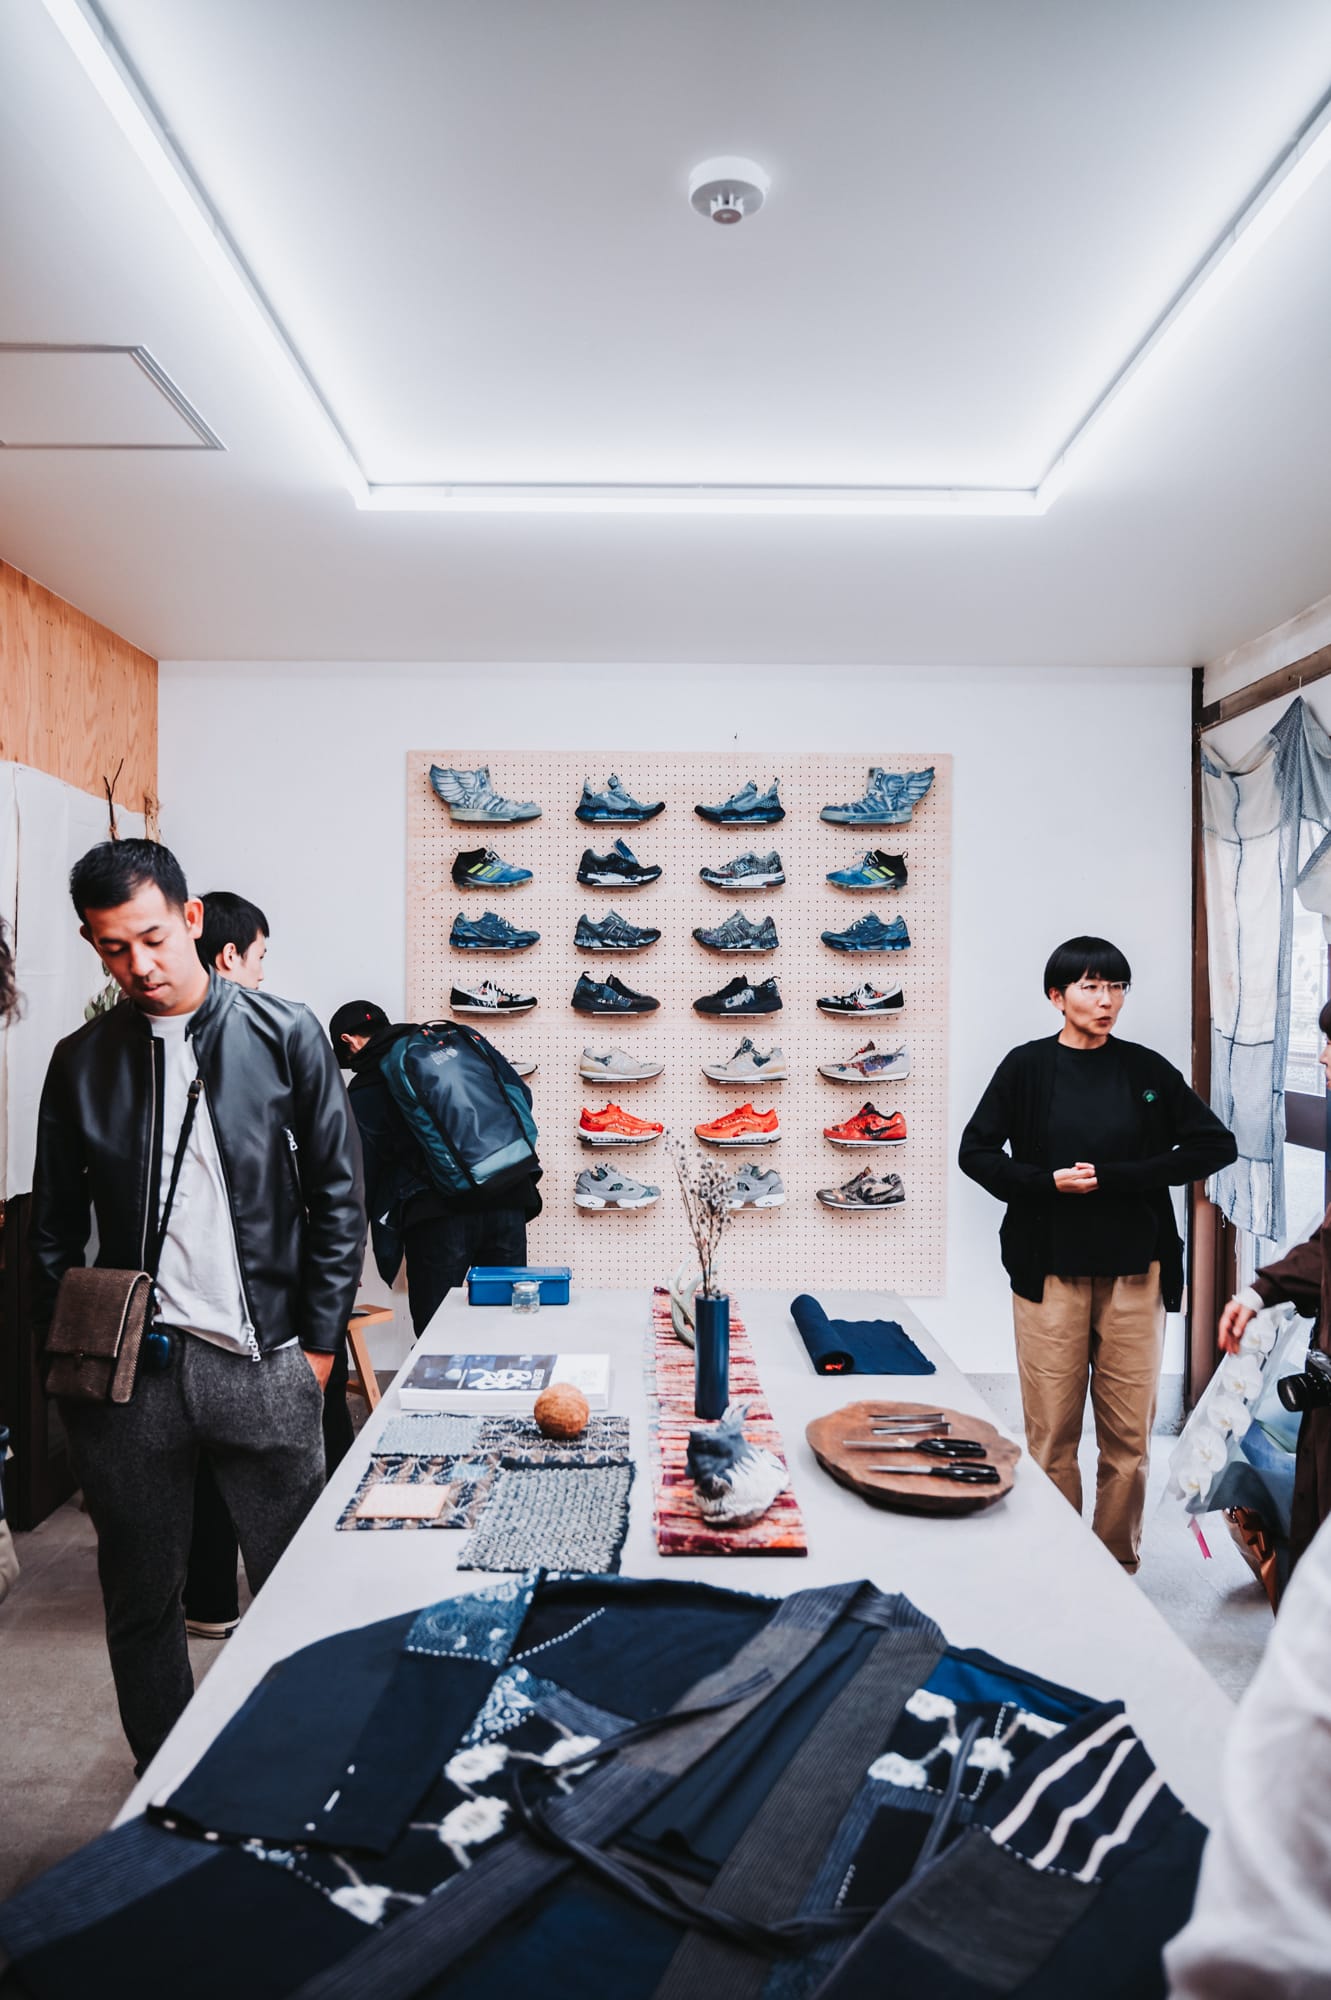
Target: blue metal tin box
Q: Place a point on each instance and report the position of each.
(492, 1284)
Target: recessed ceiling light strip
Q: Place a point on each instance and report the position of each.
(113, 77)
(108, 68)
(845, 501)
(1306, 156)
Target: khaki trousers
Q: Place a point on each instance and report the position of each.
(1110, 1330)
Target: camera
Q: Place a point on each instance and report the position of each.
(1312, 1389)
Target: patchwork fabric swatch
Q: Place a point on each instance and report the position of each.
(519, 1444)
(467, 1482)
(438, 1435)
(554, 1518)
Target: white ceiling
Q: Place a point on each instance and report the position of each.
(471, 217)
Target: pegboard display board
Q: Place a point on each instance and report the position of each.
(801, 1244)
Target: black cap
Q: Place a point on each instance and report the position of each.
(354, 1017)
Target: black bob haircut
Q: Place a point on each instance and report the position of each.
(228, 919)
(1085, 958)
(1324, 1020)
(110, 874)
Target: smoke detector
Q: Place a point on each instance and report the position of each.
(726, 190)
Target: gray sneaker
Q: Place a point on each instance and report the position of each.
(738, 934)
(605, 1186)
(469, 795)
(613, 1066)
(746, 871)
(865, 1190)
(748, 1065)
(752, 1188)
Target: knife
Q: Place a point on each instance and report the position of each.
(963, 1475)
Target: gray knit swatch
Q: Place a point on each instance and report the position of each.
(429, 1435)
(559, 1517)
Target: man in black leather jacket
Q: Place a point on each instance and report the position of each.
(257, 1272)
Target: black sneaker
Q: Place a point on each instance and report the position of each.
(740, 997)
(619, 869)
(746, 871)
(610, 996)
(738, 934)
(614, 933)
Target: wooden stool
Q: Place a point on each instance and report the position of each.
(366, 1383)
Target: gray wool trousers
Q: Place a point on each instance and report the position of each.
(259, 1425)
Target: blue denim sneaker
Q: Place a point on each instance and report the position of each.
(481, 868)
(610, 996)
(870, 934)
(747, 807)
(489, 933)
(876, 871)
(613, 933)
(738, 934)
(614, 806)
(888, 800)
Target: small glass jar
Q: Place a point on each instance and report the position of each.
(526, 1295)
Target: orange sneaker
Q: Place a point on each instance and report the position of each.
(868, 1128)
(745, 1127)
(613, 1127)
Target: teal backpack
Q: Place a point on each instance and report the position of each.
(465, 1105)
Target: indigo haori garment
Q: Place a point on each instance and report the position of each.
(856, 1346)
(661, 1790)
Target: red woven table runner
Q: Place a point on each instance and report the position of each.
(679, 1528)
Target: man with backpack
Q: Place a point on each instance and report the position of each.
(433, 1198)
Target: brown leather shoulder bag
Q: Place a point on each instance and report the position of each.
(95, 1340)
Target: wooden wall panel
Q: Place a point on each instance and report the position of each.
(74, 698)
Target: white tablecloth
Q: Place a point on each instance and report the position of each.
(1024, 1579)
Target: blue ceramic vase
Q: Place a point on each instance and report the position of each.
(711, 1357)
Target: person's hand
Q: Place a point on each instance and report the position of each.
(1233, 1320)
(322, 1364)
(1076, 1180)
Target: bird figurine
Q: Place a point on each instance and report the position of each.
(735, 1482)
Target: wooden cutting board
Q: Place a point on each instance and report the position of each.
(909, 1495)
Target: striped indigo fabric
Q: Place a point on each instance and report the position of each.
(1097, 1793)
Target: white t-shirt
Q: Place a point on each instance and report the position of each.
(198, 1278)
(1262, 1920)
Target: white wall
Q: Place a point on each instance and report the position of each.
(286, 782)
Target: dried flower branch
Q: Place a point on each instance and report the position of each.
(705, 1188)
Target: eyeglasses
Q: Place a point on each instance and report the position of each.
(1100, 989)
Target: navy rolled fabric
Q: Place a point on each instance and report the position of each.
(856, 1346)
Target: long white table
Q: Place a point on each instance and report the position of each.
(1025, 1579)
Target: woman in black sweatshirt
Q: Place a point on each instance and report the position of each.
(1083, 1136)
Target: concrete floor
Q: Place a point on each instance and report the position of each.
(65, 1768)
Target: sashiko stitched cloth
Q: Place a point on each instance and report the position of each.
(558, 1786)
(1267, 836)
